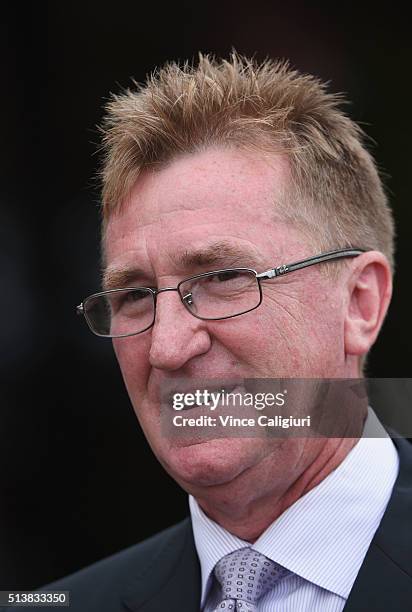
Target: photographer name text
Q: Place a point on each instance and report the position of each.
(229, 421)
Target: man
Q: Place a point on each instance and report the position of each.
(235, 166)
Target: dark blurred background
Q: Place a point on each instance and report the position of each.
(77, 477)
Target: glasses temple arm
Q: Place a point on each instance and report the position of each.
(304, 263)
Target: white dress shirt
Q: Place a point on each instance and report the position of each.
(322, 538)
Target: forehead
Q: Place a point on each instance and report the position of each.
(216, 194)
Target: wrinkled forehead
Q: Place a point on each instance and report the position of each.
(214, 178)
(216, 193)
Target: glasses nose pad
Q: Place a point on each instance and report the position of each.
(188, 299)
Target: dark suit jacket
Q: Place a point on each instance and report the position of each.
(162, 573)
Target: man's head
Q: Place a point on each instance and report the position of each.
(233, 165)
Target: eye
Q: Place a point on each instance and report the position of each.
(135, 296)
(227, 276)
(227, 282)
(129, 301)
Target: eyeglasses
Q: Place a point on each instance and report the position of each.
(211, 296)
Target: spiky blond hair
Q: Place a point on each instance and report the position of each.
(335, 193)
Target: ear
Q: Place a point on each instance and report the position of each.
(369, 294)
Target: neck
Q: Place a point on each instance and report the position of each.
(248, 518)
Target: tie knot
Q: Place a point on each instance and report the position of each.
(245, 575)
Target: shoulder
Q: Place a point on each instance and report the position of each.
(102, 585)
(130, 559)
(394, 534)
(385, 577)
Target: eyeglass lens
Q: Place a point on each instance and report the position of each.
(221, 294)
(121, 312)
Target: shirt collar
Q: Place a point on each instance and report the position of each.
(324, 536)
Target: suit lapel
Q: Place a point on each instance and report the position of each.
(171, 578)
(385, 577)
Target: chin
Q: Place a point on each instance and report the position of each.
(208, 463)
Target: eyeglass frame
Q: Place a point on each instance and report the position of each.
(262, 276)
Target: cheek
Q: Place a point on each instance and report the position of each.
(132, 356)
(252, 340)
(280, 342)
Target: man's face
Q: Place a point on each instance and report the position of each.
(169, 230)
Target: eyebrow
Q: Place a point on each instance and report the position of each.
(122, 277)
(216, 254)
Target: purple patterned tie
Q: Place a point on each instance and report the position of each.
(245, 576)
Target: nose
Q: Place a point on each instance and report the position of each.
(176, 336)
